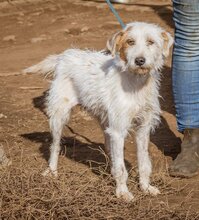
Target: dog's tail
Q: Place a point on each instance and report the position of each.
(45, 67)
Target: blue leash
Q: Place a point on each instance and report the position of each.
(116, 14)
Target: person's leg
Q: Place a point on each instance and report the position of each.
(185, 73)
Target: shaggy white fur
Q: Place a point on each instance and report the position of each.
(121, 88)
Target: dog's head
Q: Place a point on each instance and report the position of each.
(140, 47)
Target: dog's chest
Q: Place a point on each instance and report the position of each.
(132, 104)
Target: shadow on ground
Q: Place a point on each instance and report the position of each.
(86, 151)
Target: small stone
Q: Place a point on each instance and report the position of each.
(38, 39)
(113, 22)
(36, 13)
(58, 18)
(10, 38)
(66, 31)
(84, 29)
(20, 22)
(2, 116)
(29, 24)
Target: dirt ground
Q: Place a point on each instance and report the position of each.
(29, 31)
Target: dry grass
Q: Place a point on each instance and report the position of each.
(80, 194)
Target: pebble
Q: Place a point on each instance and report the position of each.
(113, 22)
(10, 38)
(84, 29)
(29, 24)
(38, 39)
(20, 22)
(2, 115)
(58, 18)
(36, 13)
(66, 31)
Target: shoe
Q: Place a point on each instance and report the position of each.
(186, 163)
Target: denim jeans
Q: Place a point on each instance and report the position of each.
(185, 64)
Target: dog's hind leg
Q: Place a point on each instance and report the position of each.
(61, 99)
(144, 162)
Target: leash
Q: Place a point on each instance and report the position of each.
(116, 14)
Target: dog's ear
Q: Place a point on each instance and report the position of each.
(168, 41)
(113, 43)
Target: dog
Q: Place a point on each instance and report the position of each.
(120, 88)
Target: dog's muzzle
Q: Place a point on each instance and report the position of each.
(139, 66)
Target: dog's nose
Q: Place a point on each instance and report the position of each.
(139, 61)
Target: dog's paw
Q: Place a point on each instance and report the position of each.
(125, 195)
(151, 190)
(49, 173)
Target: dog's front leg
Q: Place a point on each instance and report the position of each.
(144, 163)
(118, 169)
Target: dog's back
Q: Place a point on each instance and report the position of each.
(71, 60)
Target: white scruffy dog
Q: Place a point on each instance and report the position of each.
(120, 88)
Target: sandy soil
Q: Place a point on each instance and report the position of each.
(29, 31)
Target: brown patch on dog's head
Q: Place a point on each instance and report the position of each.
(112, 43)
(119, 43)
(125, 43)
(168, 41)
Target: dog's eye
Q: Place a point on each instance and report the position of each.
(130, 42)
(150, 42)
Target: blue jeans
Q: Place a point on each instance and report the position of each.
(185, 65)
